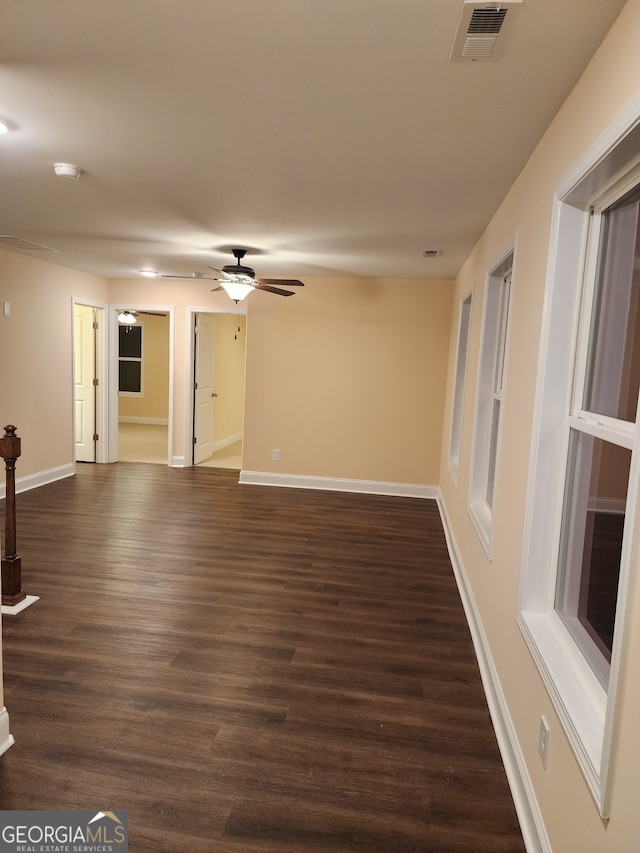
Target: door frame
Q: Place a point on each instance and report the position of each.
(190, 355)
(101, 372)
(113, 375)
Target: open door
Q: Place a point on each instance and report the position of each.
(85, 380)
(203, 393)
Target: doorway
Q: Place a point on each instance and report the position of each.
(218, 389)
(142, 392)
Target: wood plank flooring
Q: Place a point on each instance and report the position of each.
(247, 669)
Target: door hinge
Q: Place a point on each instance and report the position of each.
(195, 386)
(194, 439)
(95, 380)
(95, 436)
(95, 325)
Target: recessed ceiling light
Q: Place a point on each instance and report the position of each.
(148, 273)
(66, 170)
(4, 127)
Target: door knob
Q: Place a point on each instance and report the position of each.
(214, 394)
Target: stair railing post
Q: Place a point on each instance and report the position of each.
(12, 593)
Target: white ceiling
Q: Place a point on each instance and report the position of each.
(333, 137)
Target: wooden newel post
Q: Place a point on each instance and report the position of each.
(12, 593)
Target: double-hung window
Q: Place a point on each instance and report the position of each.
(585, 461)
(489, 398)
(601, 432)
(130, 361)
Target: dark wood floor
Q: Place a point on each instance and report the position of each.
(247, 669)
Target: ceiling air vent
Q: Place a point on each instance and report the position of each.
(21, 244)
(482, 30)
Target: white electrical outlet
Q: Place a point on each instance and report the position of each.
(543, 741)
(276, 456)
(6, 309)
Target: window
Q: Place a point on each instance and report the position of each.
(489, 398)
(455, 438)
(130, 361)
(601, 437)
(585, 474)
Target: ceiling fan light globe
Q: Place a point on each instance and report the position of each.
(237, 290)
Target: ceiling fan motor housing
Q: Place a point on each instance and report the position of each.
(239, 269)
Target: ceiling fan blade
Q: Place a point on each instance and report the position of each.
(220, 287)
(192, 277)
(260, 286)
(288, 282)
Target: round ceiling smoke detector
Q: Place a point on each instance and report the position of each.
(66, 170)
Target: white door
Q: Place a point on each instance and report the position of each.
(204, 393)
(84, 383)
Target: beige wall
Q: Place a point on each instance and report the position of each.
(154, 404)
(570, 814)
(36, 391)
(347, 380)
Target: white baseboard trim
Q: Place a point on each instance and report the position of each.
(6, 739)
(338, 484)
(533, 829)
(42, 478)
(226, 442)
(178, 462)
(133, 420)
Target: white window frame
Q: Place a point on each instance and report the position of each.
(459, 385)
(489, 395)
(586, 708)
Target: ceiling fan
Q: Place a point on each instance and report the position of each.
(238, 280)
(127, 317)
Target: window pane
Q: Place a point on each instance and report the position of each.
(130, 376)
(613, 374)
(502, 332)
(493, 451)
(591, 544)
(130, 341)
